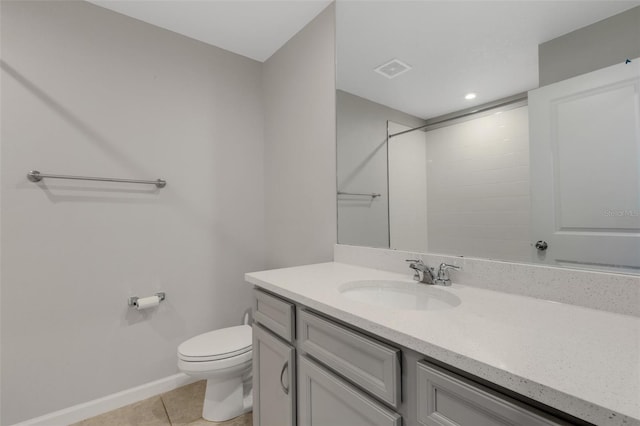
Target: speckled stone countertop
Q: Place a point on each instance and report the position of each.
(582, 361)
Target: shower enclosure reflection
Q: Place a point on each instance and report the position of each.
(462, 187)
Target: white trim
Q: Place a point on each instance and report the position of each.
(110, 402)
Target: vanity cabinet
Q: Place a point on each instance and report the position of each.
(346, 377)
(343, 377)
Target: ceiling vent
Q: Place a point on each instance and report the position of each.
(393, 68)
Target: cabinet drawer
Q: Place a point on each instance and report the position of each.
(446, 399)
(326, 400)
(275, 314)
(366, 362)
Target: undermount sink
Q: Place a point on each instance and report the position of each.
(399, 295)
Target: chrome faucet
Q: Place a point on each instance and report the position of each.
(443, 274)
(427, 275)
(422, 272)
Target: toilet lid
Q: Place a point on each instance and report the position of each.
(217, 344)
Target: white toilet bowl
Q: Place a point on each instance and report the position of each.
(223, 358)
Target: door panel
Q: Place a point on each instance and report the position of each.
(326, 400)
(585, 168)
(273, 380)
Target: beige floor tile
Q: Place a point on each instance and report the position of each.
(149, 412)
(184, 405)
(244, 420)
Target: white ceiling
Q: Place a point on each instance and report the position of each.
(454, 47)
(256, 29)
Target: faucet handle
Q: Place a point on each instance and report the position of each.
(443, 275)
(445, 267)
(418, 261)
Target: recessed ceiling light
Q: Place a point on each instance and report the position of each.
(470, 96)
(393, 68)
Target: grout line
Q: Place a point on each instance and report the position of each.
(165, 410)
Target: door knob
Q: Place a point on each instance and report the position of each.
(541, 245)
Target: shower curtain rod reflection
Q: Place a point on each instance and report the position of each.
(508, 103)
(36, 176)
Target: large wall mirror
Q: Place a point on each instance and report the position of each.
(486, 129)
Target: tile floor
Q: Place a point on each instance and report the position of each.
(179, 407)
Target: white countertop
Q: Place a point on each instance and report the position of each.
(581, 361)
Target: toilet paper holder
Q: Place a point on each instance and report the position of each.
(133, 300)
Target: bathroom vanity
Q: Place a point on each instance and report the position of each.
(327, 351)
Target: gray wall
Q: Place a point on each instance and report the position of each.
(300, 172)
(362, 167)
(88, 91)
(587, 49)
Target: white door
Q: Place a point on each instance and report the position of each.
(585, 168)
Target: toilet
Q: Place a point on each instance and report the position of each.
(223, 358)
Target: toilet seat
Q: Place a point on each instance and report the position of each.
(220, 366)
(224, 359)
(217, 345)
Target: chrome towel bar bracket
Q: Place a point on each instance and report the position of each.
(36, 176)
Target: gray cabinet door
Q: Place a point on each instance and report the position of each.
(446, 399)
(326, 400)
(274, 387)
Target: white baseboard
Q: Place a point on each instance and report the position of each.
(110, 402)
